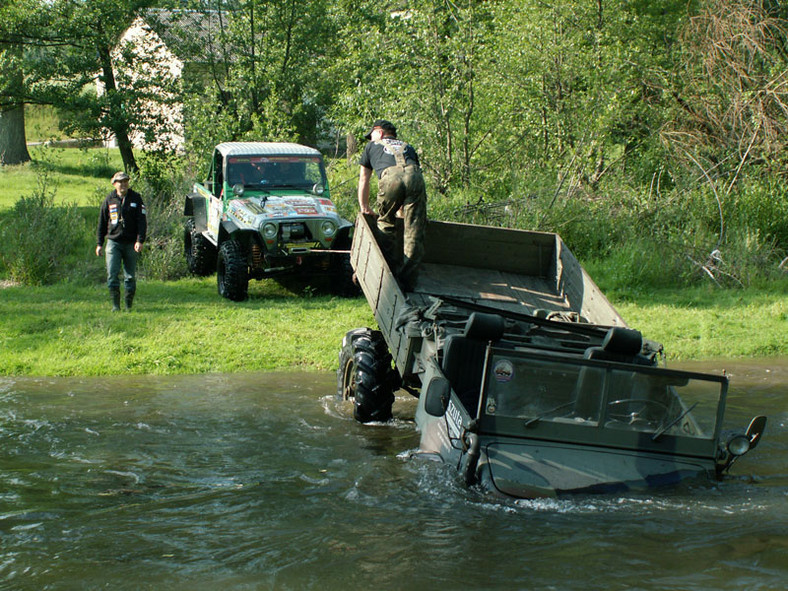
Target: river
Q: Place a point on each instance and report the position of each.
(264, 481)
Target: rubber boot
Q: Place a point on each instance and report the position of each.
(114, 292)
(129, 299)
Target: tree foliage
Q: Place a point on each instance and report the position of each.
(66, 49)
(265, 77)
(639, 108)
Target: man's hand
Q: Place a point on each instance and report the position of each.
(138, 247)
(98, 250)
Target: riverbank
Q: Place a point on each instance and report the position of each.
(184, 327)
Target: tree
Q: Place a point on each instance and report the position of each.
(267, 72)
(13, 145)
(64, 47)
(90, 31)
(425, 69)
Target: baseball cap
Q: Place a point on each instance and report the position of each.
(383, 124)
(119, 176)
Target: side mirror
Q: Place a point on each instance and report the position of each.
(318, 189)
(738, 445)
(755, 430)
(436, 399)
(238, 190)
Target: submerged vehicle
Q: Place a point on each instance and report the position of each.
(528, 379)
(264, 210)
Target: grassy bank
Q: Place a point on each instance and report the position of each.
(185, 327)
(711, 323)
(79, 176)
(176, 327)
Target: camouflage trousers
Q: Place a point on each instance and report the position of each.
(401, 189)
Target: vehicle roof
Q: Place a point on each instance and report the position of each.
(265, 149)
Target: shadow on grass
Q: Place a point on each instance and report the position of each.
(81, 169)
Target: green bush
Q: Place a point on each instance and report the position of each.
(761, 206)
(163, 186)
(343, 184)
(37, 238)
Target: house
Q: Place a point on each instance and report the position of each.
(160, 53)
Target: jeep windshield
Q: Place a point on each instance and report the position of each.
(597, 402)
(276, 172)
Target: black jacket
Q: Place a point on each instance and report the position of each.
(122, 221)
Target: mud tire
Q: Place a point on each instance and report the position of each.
(232, 271)
(200, 253)
(366, 375)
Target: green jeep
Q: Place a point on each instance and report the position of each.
(264, 210)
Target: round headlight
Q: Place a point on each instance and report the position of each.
(269, 231)
(328, 228)
(738, 445)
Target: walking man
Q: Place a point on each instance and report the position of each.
(401, 193)
(123, 222)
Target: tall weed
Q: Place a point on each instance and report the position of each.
(38, 238)
(163, 186)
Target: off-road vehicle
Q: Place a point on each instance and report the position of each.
(528, 379)
(264, 210)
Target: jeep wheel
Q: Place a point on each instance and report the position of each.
(366, 376)
(232, 273)
(200, 253)
(343, 284)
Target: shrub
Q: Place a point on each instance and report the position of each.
(37, 237)
(762, 207)
(163, 187)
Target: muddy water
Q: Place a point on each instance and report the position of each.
(264, 481)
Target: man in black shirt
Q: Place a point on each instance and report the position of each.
(401, 193)
(123, 221)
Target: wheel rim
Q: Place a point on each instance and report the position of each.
(348, 390)
(220, 275)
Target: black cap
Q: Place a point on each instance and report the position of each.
(384, 125)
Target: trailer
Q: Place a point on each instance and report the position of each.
(528, 379)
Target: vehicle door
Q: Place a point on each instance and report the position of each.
(216, 201)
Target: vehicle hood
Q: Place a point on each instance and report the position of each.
(527, 470)
(253, 211)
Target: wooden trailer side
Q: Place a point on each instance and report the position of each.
(382, 292)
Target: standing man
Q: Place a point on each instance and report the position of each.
(123, 221)
(401, 193)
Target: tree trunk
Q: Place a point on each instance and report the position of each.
(116, 122)
(13, 146)
(126, 148)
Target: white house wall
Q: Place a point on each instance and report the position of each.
(142, 58)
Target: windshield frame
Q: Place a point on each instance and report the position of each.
(493, 419)
(269, 183)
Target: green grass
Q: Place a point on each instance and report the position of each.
(711, 323)
(175, 328)
(42, 123)
(183, 327)
(75, 175)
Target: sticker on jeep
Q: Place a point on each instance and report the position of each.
(503, 371)
(276, 210)
(303, 206)
(328, 206)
